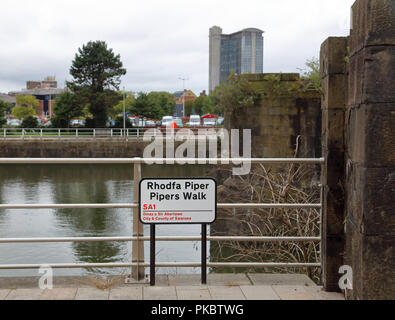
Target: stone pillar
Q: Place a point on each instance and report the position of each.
(370, 151)
(334, 92)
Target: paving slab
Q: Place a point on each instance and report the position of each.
(25, 294)
(226, 279)
(193, 293)
(259, 293)
(127, 293)
(4, 293)
(59, 294)
(159, 293)
(91, 294)
(281, 279)
(226, 293)
(320, 294)
(293, 293)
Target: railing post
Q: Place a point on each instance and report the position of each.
(5, 133)
(59, 133)
(76, 132)
(138, 273)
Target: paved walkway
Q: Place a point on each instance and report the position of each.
(180, 287)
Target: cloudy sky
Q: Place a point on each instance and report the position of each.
(159, 41)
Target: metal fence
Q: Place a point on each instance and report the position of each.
(138, 264)
(87, 133)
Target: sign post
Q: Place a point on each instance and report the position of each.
(178, 201)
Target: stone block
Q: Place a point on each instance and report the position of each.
(294, 293)
(333, 56)
(370, 135)
(193, 293)
(270, 279)
(126, 293)
(372, 74)
(372, 24)
(159, 293)
(226, 293)
(332, 254)
(372, 261)
(259, 293)
(334, 91)
(370, 202)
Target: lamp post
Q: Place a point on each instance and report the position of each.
(124, 112)
(183, 95)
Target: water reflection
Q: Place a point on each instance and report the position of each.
(81, 184)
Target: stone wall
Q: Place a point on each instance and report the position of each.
(334, 72)
(370, 150)
(281, 117)
(359, 230)
(100, 148)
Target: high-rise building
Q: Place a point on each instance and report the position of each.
(241, 52)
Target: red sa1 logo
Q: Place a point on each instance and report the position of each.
(149, 206)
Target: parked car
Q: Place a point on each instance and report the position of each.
(77, 122)
(150, 123)
(14, 122)
(220, 121)
(166, 121)
(179, 122)
(209, 122)
(194, 120)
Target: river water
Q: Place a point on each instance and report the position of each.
(28, 184)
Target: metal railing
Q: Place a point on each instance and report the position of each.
(138, 264)
(84, 133)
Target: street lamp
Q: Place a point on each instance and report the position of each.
(183, 95)
(124, 112)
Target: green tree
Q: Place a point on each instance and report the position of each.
(5, 107)
(153, 105)
(235, 95)
(96, 72)
(65, 108)
(28, 101)
(22, 112)
(312, 75)
(204, 105)
(117, 109)
(29, 122)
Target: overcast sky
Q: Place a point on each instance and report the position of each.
(159, 41)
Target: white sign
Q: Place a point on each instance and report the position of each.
(178, 200)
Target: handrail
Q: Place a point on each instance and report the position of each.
(137, 237)
(137, 160)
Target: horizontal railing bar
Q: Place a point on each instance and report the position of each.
(159, 264)
(70, 206)
(161, 238)
(158, 160)
(135, 205)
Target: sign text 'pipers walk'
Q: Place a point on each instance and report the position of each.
(177, 200)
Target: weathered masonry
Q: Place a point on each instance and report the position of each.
(358, 109)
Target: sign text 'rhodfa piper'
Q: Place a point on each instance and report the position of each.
(178, 200)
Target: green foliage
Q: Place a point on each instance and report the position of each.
(153, 105)
(65, 108)
(189, 108)
(202, 105)
(22, 112)
(29, 122)
(312, 75)
(119, 123)
(28, 101)
(235, 95)
(5, 107)
(117, 109)
(96, 73)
